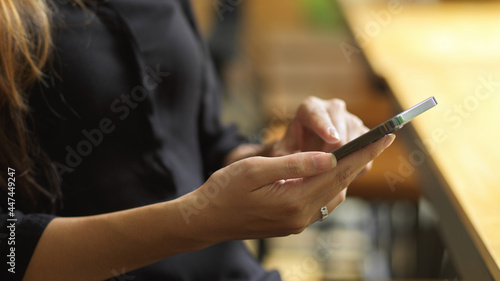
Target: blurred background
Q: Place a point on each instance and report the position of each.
(271, 55)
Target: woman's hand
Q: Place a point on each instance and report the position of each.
(262, 197)
(320, 125)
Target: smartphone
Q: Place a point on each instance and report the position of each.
(389, 126)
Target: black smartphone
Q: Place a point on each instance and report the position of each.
(389, 126)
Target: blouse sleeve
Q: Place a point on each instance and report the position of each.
(19, 235)
(216, 139)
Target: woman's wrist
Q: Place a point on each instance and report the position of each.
(192, 222)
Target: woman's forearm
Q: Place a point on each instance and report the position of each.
(98, 247)
(254, 198)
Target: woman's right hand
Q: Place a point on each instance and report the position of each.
(255, 197)
(260, 197)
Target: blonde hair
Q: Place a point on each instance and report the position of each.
(25, 47)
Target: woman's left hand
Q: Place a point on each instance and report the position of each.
(320, 125)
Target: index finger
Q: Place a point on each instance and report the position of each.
(314, 115)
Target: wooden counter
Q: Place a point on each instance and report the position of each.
(450, 50)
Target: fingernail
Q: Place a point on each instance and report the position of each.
(332, 132)
(324, 161)
(388, 140)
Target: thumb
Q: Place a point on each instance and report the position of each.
(263, 170)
